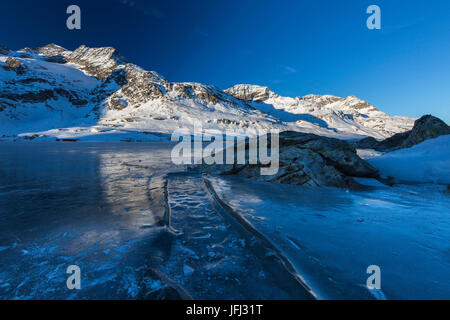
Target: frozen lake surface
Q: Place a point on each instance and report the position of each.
(333, 235)
(140, 227)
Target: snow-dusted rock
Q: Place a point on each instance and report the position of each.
(306, 159)
(250, 92)
(14, 65)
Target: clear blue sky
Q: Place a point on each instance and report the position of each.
(295, 47)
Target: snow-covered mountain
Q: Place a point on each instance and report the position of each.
(348, 114)
(95, 93)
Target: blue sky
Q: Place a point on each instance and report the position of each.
(294, 47)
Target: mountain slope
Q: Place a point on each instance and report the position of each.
(50, 92)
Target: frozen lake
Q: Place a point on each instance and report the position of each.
(140, 227)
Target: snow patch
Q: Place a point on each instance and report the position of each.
(427, 162)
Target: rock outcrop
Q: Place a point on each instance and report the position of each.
(306, 159)
(14, 65)
(427, 127)
(99, 62)
(250, 92)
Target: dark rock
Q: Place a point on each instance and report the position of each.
(427, 127)
(32, 97)
(447, 191)
(194, 90)
(29, 80)
(4, 105)
(72, 96)
(56, 59)
(117, 104)
(366, 143)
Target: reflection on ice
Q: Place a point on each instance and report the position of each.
(83, 204)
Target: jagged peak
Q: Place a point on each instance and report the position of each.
(52, 46)
(430, 120)
(98, 54)
(358, 104)
(99, 62)
(48, 50)
(258, 93)
(27, 50)
(51, 49)
(153, 76)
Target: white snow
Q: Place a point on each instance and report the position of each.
(368, 153)
(427, 162)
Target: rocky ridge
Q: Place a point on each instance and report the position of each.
(328, 111)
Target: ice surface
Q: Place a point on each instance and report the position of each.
(333, 235)
(84, 204)
(101, 207)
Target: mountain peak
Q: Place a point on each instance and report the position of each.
(250, 92)
(50, 50)
(99, 62)
(84, 52)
